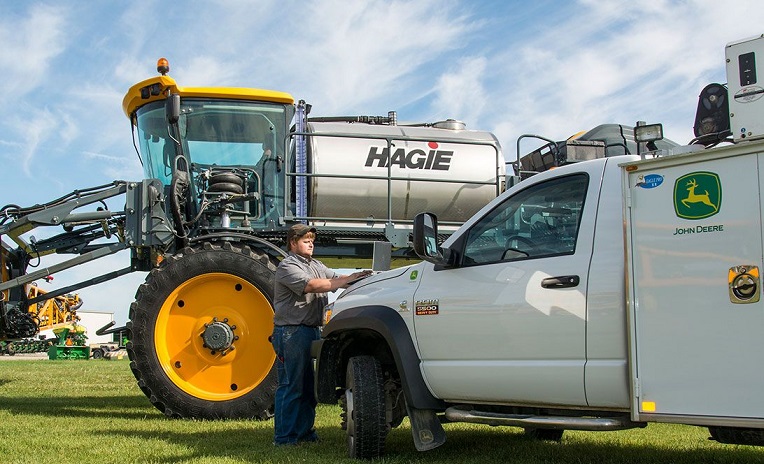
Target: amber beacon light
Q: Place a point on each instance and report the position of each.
(163, 66)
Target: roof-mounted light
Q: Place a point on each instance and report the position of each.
(163, 66)
(151, 91)
(649, 133)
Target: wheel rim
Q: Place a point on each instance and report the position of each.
(349, 419)
(211, 336)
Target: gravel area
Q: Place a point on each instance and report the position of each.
(24, 357)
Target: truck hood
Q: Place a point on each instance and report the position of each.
(388, 288)
(375, 279)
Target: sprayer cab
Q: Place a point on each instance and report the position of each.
(217, 151)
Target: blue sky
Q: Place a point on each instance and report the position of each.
(511, 67)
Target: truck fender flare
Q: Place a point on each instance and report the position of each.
(388, 324)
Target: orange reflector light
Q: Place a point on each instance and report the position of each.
(648, 406)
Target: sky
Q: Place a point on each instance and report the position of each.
(511, 67)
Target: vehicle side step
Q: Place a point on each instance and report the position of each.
(468, 414)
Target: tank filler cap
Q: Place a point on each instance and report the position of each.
(451, 124)
(163, 66)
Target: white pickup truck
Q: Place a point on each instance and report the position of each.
(600, 295)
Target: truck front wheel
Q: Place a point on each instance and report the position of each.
(544, 434)
(363, 408)
(199, 331)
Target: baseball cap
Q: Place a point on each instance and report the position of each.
(298, 230)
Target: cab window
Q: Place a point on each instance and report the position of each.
(540, 221)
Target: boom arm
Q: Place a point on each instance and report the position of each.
(141, 226)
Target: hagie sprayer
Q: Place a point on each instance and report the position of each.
(228, 171)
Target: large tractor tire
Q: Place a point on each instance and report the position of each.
(199, 330)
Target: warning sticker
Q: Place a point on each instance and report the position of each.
(426, 307)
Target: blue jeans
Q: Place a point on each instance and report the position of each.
(295, 408)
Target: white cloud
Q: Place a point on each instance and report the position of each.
(34, 131)
(29, 43)
(115, 167)
(199, 71)
(355, 55)
(461, 92)
(606, 63)
(343, 57)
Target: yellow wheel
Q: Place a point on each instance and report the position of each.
(200, 330)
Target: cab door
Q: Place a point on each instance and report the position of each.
(508, 322)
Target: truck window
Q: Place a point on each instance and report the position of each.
(539, 221)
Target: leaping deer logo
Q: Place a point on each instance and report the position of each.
(697, 195)
(693, 197)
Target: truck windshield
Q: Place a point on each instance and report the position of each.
(213, 132)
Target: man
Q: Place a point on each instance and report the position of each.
(300, 297)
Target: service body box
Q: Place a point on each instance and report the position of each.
(696, 320)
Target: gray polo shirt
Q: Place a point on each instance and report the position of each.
(292, 306)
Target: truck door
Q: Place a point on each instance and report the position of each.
(507, 324)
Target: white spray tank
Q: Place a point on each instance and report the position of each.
(441, 168)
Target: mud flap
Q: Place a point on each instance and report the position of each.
(425, 428)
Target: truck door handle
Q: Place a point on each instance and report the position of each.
(561, 281)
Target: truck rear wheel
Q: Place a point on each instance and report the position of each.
(737, 435)
(364, 408)
(544, 434)
(199, 331)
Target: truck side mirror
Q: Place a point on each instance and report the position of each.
(172, 108)
(426, 237)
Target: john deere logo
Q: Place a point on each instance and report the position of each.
(697, 195)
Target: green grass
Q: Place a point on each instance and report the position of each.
(79, 412)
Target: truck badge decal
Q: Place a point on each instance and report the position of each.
(426, 307)
(649, 181)
(697, 195)
(434, 159)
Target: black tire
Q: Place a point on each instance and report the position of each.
(186, 306)
(737, 435)
(98, 353)
(544, 434)
(364, 408)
